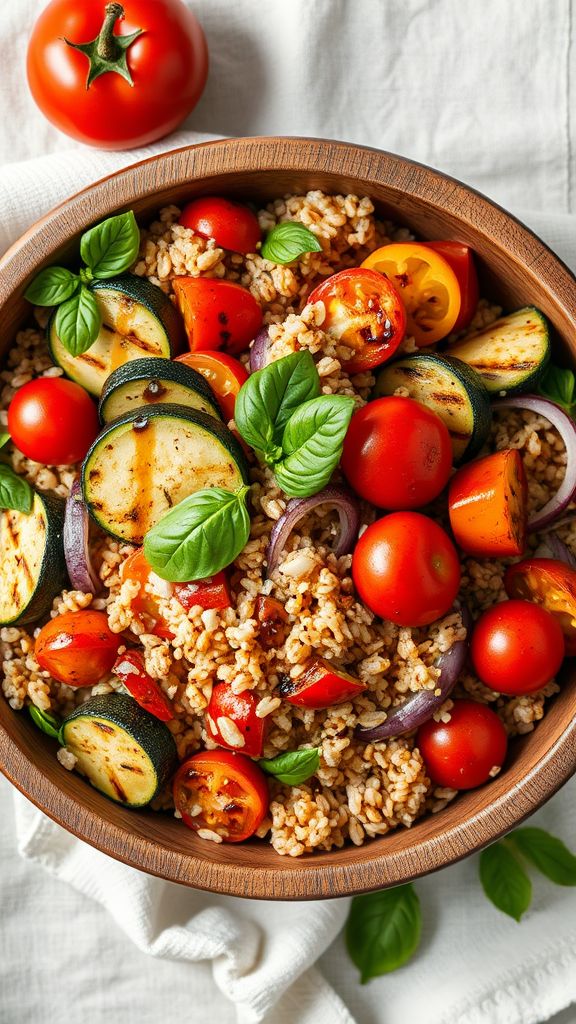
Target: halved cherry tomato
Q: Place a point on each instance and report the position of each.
(517, 647)
(77, 648)
(273, 619)
(365, 313)
(461, 259)
(130, 669)
(487, 502)
(397, 453)
(240, 708)
(217, 314)
(224, 374)
(463, 752)
(550, 584)
(232, 225)
(53, 421)
(427, 286)
(320, 686)
(223, 792)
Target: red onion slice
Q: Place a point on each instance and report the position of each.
(76, 550)
(259, 350)
(567, 430)
(559, 550)
(297, 508)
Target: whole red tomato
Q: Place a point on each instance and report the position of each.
(53, 421)
(78, 648)
(397, 453)
(96, 85)
(463, 752)
(406, 569)
(517, 647)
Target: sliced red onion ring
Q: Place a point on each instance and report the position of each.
(259, 350)
(559, 550)
(567, 430)
(297, 508)
(76, 550)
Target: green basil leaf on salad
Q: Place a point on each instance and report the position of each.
(46, 721)
(287, 241)
(504, 881)
(383, 930)
(52, 286)
(547, 853)
(312, 443)
(292, 767)
(559, 384)
(199, 536)
(15, 492)
(111, 247)
(78, 322)
(4, 438)
(269, 398)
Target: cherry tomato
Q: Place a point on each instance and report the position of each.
(397, 453)
(53, 421)
(365, 313)
(406, 569)
(320, 686)
(550, 584)
(147, 692)
(517, 647)
(224, 374)
(463, 752)
(239, 708)
(273, 619)
(461, 259)
(77, 648)
(222, 791)
(487, 503)
(217, 314)
(232, 225)
(427, 286)
(165, 69)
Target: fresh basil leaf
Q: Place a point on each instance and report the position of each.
(78, 322)
(15, 491)
(383, 930)
(292, 767)
(547, 853)
(270, 396)
(4, 438)
(504, 881)
(52, 286)
(287, 241)
(46, 721)
(313, 442)
(111, 247)
(559, 384)
(200, 536)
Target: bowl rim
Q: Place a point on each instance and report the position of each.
(315, 879)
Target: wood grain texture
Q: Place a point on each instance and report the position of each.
(516, 268)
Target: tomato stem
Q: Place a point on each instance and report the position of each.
(107, 52)
(106, 47)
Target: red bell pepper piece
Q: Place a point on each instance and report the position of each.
(213, 592)
(320, 686)
(129, 668)
(273, 618)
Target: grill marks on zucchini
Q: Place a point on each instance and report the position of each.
(142, 383)
(511, 354)
(146, 461)
(32, 567)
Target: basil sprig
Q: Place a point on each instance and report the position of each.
(107, 249)
(46, 721)
(312, 443)
(287, 241)
(293, 766)
(383, 930)
(199, 536)
(547, 853)
(559, 384)
(268, 399)
(504, 878)
(15, 492)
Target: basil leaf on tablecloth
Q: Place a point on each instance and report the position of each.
(383, 930)
(52, 286)
(78, 322)
(504, 881)
(547, 853)
(559, 384)
(287, 241)
(293, 766)
(199, 536)
(46, 721)
(15, 492)
(270, 396)
(312, 443)
(111, 247)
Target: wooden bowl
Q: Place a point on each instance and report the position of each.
(517, 268)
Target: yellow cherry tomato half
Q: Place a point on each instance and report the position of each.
(426, 284)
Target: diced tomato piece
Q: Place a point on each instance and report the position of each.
(131, 671)
(273, 619)
(240, 709)
(320, 686)
(212, 592)
(487, 502)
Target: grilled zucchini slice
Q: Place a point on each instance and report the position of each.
(511, 354)
(32, 563)
(148, 460)
(123, 751)
(145, 382)
(138, 320)
(451, 389)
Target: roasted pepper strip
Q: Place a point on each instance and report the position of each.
(487, 502)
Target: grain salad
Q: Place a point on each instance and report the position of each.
(318, 611)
